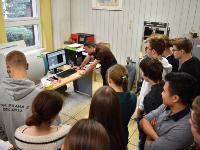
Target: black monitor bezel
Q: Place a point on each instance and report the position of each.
(54, 52)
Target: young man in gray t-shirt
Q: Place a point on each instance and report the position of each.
(167, 127)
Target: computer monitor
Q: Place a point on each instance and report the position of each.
(56, 59)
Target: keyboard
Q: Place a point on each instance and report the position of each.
(66, 73)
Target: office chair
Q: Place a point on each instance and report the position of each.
(131, 67)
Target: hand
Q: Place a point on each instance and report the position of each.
(65, 67)
(76, 68)
(12, 148)
(82, 72)
(153, 122)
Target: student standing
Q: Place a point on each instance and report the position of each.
(168, 54)
(39, 133)
(105, 108)
(152, 70)
(87, 134)
(182, 49)
(118, 80)
(17, 93)
(168, 127)
(155, 48)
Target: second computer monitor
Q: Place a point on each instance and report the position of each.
(56, 59)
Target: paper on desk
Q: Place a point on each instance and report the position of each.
(45, 82)
(84, 53)
(75, 45)
(80, 49)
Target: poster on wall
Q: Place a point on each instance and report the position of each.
(107, 4)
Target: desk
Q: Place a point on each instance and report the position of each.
(64, 81)
(82, 83)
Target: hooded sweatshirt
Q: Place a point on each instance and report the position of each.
(146, 87)
(16, 98)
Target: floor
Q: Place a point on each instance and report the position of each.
(76, 106)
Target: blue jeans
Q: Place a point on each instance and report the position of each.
(142, 135)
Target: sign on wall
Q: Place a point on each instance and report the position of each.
(107, 4)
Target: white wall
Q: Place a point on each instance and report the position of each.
(61, 21)
(124, 29)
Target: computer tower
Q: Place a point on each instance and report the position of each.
(74, 57)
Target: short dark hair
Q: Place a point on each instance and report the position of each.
(119, 75)
(46, 105)
(152, 68)
(183, 43)
(157, 43)
(88, 44)
(105, 108)
(183, 85)
(87, 134)
(16, 59)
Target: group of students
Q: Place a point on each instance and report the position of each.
(29, 117)
(164, 107)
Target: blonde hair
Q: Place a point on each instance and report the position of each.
(16, 59)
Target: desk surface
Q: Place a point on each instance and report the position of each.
(63, 81)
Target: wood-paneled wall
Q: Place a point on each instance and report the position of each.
(124, 29)
(61, 21)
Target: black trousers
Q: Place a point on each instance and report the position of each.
(104, 77)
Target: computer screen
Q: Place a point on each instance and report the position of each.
(56, 59)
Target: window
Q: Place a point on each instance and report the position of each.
(22, 21)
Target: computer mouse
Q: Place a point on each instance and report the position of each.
(55, 78)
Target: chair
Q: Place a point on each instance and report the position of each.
(131, 67)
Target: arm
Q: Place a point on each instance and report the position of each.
(85, 61)
(177, 137)
(92, 66)
(155, 113)
(148, 119)
(148, 129)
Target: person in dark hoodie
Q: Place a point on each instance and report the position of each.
(118, 80)
(17, 93)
